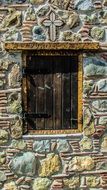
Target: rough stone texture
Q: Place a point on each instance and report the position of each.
(92, 181)
(88, 122)
(104, 144)
(94, 66)
(19, 144)
(4, 136)
(38, 33)
(41, 146)
(70, 18)
(83, 4)
(102, 85)
(86, 144)
(2, 158)
(88, 87)
(63, 146)
(81, 164)
(10, 186)
(70, 36)
(16, 128)
(57, 158)
(97, 33)
(24, 164)
(50, 165)
(72, 183)
(2, 176)
(41, 184)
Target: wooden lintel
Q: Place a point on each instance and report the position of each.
(80, 46)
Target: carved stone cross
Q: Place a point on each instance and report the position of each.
(52, 23)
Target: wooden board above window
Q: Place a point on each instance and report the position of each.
(52, 100)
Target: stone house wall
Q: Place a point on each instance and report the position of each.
(63, 162)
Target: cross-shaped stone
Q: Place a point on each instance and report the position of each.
(52, 23)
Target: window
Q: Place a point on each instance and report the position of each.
(53, 100)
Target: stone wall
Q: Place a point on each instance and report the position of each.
(64, 162)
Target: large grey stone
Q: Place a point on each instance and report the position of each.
(83, 4)
(62, 145)
(41, 146)
(24, 164)
(102, 85)
(100, 105)
(94, 66)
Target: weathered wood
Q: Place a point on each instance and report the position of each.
(51, 93)
(49, 100)
(52, 46)
(57, 101)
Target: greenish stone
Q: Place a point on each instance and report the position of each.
(103, 120)
(86, 144)
(70, 36)
(70, 18)
(19, 144)
(88, 87)
(2, 176)
(94, 67)
(2, 158)
(14, 77)
(15, 107)
(92, 19)
(88, 122)
(16, 128)
(41, 146)
(97, 33)
(24, 164)
(99, 105)
(1, 83)
(4, 136)
(43, 11)
(92, 181)
(41, 184)
(14, 100)
(103, 16)
(4, 63)
(63, 146)
(104, 144)
(102, 85)
(30, 14)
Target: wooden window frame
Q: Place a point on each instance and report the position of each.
(80, 89)
(55, 49)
